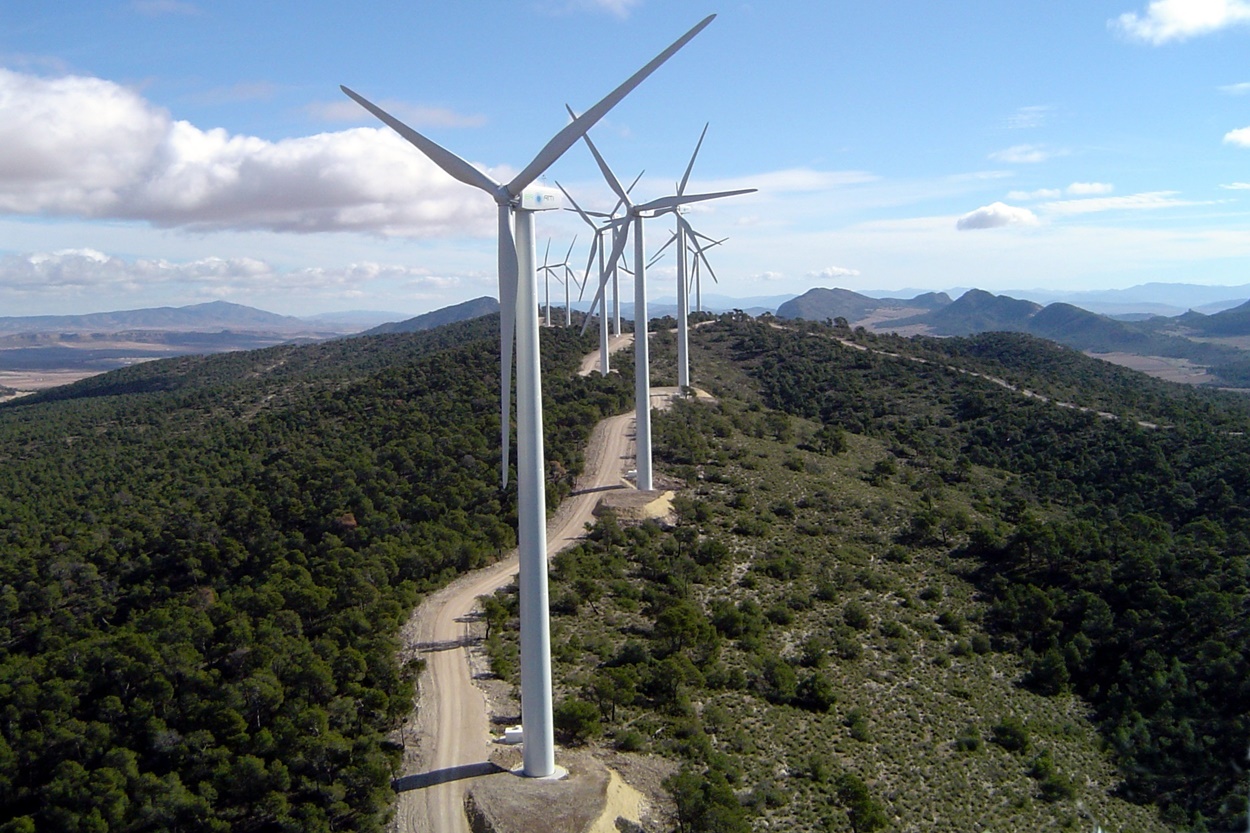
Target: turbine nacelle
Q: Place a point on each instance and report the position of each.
(539, 199)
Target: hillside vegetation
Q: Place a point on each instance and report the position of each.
(901, 595)
(207, 561)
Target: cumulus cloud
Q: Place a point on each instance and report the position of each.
(1022, 154)
(86, 147)
(1240, 137)
(1237, 186)
(834, 272)
(1132, 202)
(768, 276)
(996, 215)
(1174, 20)
(84, 271)
(1085, 189)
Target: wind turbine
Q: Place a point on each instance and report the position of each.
(597, 247)
(634, 215)
(685, 232)
(518, 302)
(554, 268)
(701, 255)
(687, 239)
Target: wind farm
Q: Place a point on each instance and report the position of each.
(518, 299)
(777, 556)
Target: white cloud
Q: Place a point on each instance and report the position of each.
(1237, 186)
(85, 272)
(1236, 89)
(1085, 189)
(1168, 20)
(1078, 189)
(834, 272)
(791, 180)
(1240, 137)
(1022, 154)
(1040, 194)
(996, 215)
(85, 147)
(770, 277)
(1027, 117)
(1133, 202)
(412, 115)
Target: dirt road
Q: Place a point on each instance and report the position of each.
(590, 364)
(450, 741)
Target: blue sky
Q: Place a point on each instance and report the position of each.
(177, 151)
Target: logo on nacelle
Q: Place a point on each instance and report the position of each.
(539, 199)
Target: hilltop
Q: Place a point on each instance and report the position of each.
(1185, 337)
(467, 311)
(897, 591)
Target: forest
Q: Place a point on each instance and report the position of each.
(207, 561)
(1115, 561)
(900, 593)
(896, 592)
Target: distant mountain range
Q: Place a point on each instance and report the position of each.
(101, 341)
(1188, 336)
(216, 315)
(476, 308)
(977, 311)
(820, 304)
(105, 341)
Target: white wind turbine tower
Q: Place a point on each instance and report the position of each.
(687, 239)
(634, 215)
(518, 301)
(554, 268)
(597, 248)
(700, 255)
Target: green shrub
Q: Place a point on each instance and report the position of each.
(856, 615)
(577, 720)
(969, 739)
(1011, 735)
(630, 740)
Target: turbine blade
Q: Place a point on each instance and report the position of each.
(681, 189)
(635, 182)
(594, 250)
(699, 251)
(439, 155)
(618, 246)
(613, 182)
(668, 203)
(573, 131)
(708, 264)
(628, 190)
(576, 207)
(660, 251)
(507, 329)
